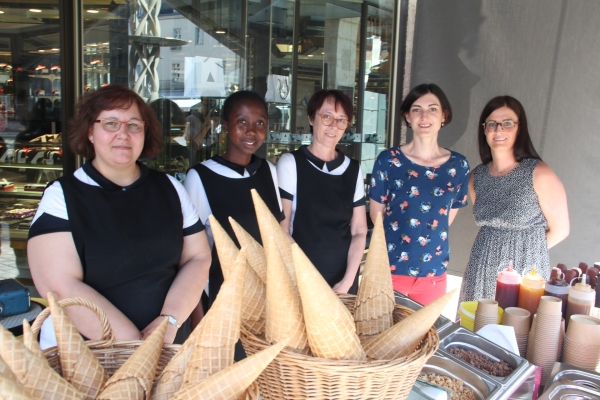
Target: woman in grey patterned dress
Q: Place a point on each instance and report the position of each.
(518, 201)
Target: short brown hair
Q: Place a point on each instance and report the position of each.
(340, 99)
(106, 98)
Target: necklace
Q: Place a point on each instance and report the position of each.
(505, 170)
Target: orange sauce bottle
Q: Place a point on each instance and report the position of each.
(530, 292)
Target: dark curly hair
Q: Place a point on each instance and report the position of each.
(112, 97)
(523, 147)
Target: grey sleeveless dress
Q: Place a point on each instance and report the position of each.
(513, 227)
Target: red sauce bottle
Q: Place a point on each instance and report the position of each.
(508, 284)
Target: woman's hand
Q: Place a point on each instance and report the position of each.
(169, 336)
(343, 286)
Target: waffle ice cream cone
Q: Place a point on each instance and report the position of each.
(133, 380)
(79, 365)
(329, 324)
(226, 249)
(34, 373)
(171, 378)
(30, 341)
(255, 253)
(219, 330)
(269, 226)
(403, 338)
(284, 307)
(232, 382)
(374, 308)
(10, 387)
(254, 302)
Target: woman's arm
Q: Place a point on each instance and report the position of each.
(55, 267)
(553, 201)
(374, 208)
(358, 230)
(472, 187)
(287, 222)
(184, 293)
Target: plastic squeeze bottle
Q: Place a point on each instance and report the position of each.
(508, 283)
(558, 287)
(581, 299)
(532, 289)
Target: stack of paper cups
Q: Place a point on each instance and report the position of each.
(545, 345)
(582, 342)
(487, 313)
(519, 319)
(531, 340)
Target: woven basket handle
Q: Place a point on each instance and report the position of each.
(108, 336)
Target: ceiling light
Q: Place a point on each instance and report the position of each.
(1, 12)
(310, 55)
(55, 49)
(41, 50)
(34, 10)
(220, 31)
(93, 11)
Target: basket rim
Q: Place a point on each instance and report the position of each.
(425, 351)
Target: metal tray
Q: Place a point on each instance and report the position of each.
(482, 388)
(440, 324)
(567, 390)
(464, 339)
(580, 376)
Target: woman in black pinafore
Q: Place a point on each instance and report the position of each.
(323, 197)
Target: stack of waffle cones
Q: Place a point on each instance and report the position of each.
(331, 329)
(203, 367)
(375, 301)
(284, 309)
(253, 305)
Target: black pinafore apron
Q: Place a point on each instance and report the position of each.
(324, 209)
(230, 197)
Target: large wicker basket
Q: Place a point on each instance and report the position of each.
(295, 376)
(110, 352)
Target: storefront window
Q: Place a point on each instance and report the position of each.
(30, 119)
(188, 56)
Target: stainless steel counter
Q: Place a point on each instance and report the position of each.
(440, 325)
(573, 383)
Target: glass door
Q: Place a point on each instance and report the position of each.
(30, 122)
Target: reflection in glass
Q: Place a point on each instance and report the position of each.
(30, 120)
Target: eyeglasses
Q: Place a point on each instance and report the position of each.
(113, 125)
(507, 125)
(327, 120)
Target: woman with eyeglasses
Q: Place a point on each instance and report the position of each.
(323, 195)
(518, 201)
(419, 188)
(117, 233)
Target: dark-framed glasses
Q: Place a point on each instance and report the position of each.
(113, 125)
(506, 125)
(327, 120)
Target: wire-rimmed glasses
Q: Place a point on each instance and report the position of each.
(113, 125)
